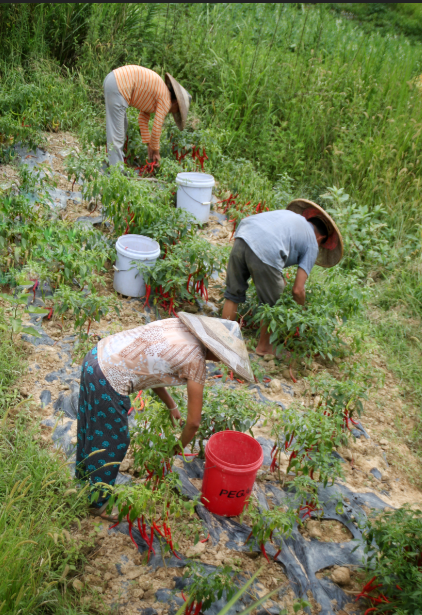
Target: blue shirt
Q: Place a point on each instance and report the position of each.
(280, 239)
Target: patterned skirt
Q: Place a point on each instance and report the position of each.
(102, 430)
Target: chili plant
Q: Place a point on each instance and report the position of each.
(154, 441)
(340, 398)
(394, 561)
(85, 306)
(226, 409)
(267, 522)
(151, 509)
(308, 439)
(206, 588)
(182, 273)
(313, 329)
(85, 167)
(13, 316)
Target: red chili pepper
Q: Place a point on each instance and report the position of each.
(89, 325)
(198, 608)
(370, 610)
(218, 376)
(262, 547)
(247, 540)
(369, 587)
(205, 539)
(266, 379)
(277, 554)
(189, 279)
(150, 544)
(130, 531)
(147, 295)
(240, 381)
(291, 375)
(231, 375)
(50, 314)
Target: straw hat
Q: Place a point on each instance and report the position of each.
(184, 100)
(223, 338)
(331, 252)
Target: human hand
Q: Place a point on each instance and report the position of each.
(153, 154)
(175, 416)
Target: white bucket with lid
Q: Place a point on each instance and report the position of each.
(194, 194)
(127, 279)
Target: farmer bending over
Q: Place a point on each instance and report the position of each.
(303, 234)
(139, 87)
(163, 353)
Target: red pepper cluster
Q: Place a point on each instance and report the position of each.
(192, 609)
(148, 169)
(165, 532)
(167, 302)
(371, 586)
(129, 219)
(197, 155)
(307, 509)
(199, 287)
(230, 203)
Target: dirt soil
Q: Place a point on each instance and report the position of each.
(399, 481)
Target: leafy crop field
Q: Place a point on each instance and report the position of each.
(288, 101)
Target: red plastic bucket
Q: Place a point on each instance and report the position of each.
(232, 460)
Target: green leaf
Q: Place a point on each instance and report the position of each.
(31, 331)
(36, 310)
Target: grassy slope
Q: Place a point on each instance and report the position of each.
(36, 510)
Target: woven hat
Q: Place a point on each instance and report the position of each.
(223, 338)
(331, 252)
(184, 100)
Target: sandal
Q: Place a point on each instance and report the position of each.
(98, 512)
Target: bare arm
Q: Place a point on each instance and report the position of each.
(195, 396)
(167, 399)
(298, 291)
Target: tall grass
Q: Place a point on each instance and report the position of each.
(37, 508)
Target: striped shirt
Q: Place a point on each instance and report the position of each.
(146, 91)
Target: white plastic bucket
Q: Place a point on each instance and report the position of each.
(127, 279)
(194, 194)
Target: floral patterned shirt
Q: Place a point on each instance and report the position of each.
(161, 353)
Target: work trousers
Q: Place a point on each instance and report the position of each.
(116, 119)
(243, 265)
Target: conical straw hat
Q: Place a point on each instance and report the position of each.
(184, 100)
(331, 252)
(224, 339)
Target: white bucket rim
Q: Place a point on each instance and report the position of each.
(200, 180)
(135, 254)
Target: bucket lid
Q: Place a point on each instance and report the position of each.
(195, 180)
(138, 247)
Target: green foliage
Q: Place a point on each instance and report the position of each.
(184, 270)
(394, 560)
(208, 588)
(85, 306)
(12, 321)
(154, 440)
(309, 439)
(266, 523)
(341, 398)
(312, 329)
(223, 409)
(359, 226)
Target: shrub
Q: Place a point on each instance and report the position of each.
(394, 561)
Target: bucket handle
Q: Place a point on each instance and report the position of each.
(191, 197)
